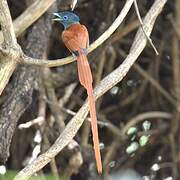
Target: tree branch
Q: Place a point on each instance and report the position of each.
(8, 57)
(20, 95)
(29, 16)
(60, 62)
(6, 24)
(11, 55)
(107, 83)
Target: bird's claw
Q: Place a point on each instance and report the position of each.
(78, 53)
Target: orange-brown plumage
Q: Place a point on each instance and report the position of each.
(76, 39)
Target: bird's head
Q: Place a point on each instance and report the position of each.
(66, 18)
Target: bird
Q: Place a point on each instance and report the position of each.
(76, 38)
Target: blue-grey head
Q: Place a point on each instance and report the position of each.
(66, 18)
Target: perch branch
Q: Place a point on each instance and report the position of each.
(59, 62)
(107, 83)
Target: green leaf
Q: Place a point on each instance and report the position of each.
(143, 140)
(131, 130)
(146, 125)
(132, 148)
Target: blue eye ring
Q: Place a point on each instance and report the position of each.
(65, 17)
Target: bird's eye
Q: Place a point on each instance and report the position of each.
(65, 17)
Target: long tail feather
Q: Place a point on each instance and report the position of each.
(94, 129)
(85, 78)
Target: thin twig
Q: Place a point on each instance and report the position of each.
(143, 28)
(39, 120)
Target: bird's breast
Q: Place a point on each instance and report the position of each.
(75, 37)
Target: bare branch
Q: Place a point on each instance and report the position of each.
(6, 24)
(8, 63)
(30, 15)
(106, 84)
(6, 69)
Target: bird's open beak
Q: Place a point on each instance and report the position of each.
(57, 17)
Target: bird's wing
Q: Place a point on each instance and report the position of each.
(86, 34)
(71, 42)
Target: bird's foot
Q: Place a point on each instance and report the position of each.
(80, 52)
